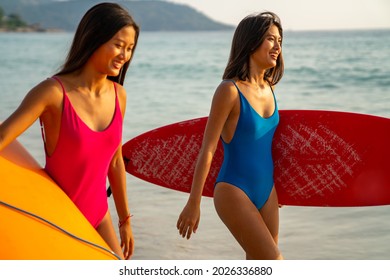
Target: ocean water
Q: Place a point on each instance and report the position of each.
(173, 77)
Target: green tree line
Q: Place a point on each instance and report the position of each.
(11, 21)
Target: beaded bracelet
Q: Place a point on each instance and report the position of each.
(121, 223)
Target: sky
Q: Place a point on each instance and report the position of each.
(301, 14)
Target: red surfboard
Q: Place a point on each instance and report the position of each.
(321, 158)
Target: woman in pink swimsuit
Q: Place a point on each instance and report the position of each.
(81, 110)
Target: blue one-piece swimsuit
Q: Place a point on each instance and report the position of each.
(248, 163)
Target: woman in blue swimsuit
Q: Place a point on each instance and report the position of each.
(244, 114)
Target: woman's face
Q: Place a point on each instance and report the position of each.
(267, 53)
(110, 57)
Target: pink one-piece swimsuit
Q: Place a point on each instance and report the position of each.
(80, 161)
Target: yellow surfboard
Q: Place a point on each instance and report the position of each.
(37, 219)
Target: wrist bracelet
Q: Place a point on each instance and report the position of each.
(121, 223)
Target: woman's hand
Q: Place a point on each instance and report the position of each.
(127, 239)
(189, 219)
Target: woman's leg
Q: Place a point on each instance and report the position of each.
(107, 232)
(246, 223)
(270, 214)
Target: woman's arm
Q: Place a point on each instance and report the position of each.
(117, 179)
(223, 102)
(38, 101)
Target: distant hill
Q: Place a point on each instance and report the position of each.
(150, 15)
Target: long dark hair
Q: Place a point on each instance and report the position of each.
(99, 24)
(249, 35)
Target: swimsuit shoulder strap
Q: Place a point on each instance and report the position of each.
(273, 93)
(60, 82)
(235, 84)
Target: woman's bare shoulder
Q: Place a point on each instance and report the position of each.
(49, 90)
(226, 90)
(228, 86)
